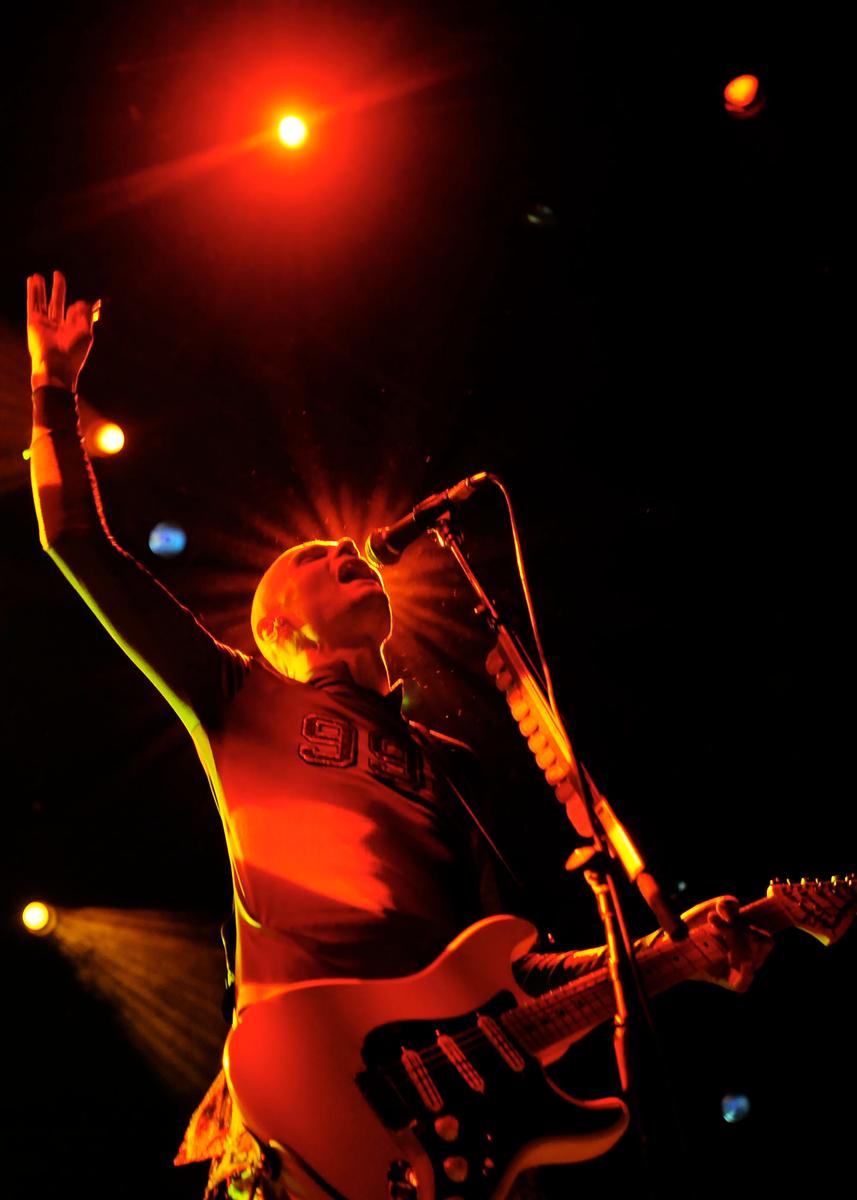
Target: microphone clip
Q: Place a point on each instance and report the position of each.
(385, 546)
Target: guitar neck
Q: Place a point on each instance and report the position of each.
(569, 1011)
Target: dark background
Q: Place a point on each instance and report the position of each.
(526, 239)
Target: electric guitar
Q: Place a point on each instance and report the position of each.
(431, 1087)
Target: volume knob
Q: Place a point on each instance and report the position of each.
(456, 1168)
(446, 1128)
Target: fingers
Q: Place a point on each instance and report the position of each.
(726, 916)
(80, 312)
(741, 976)
(746, 947)
(726, 911)
(56, 309)
(725, 919)
(36, 298)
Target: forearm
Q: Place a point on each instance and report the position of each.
(540, 972)
(162, 637)
(65, 491)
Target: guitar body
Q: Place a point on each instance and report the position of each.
(407, 1088)
(432, 1087)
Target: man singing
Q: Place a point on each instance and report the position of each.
(351, 852)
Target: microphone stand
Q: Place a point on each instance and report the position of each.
(609, 842)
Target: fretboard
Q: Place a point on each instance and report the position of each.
(574, 1008)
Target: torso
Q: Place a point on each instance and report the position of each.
(351, 856)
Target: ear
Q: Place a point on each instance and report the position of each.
(267, 628)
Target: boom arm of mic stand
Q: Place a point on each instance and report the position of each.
(593, 817)
(588, 811)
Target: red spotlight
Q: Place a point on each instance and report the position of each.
(742, 96)
(293, 132)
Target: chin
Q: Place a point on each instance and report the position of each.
(372, 613)
(384, 627)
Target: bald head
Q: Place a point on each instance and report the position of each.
(318, 595)
(275, 594)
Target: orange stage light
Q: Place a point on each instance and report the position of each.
(39, 918)
(106, 438)
(293, 131)
(742, 96)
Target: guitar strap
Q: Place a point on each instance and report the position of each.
(440, 753)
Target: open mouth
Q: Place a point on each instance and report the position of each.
(356, 568)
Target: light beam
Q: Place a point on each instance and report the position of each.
(163, 975)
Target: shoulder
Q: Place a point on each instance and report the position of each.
(248, 688)
(262, 673)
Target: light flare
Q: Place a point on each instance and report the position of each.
(107, 438)
(742, 96)
(39, 918)
(292, 131)
(741, 91)
(93, 204)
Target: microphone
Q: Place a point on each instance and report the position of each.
(384, 546)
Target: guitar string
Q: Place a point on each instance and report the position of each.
(471, 1040)
(658, 965)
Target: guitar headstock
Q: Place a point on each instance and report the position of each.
(825, 908)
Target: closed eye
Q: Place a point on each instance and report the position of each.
(309, 555)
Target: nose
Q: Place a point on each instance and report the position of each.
(346, 546)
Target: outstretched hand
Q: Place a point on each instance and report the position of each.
(744, 946)
(58, 340)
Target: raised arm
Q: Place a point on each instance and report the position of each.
(188, 666)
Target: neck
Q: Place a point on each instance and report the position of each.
(366, 665)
